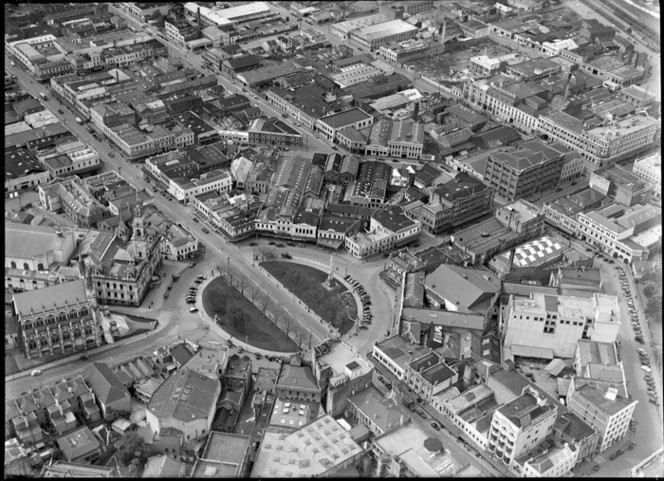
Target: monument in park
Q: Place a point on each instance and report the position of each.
(329, 282)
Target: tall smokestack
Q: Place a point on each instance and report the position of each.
(198, 21)
(416, 111)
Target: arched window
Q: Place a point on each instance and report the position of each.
(27, 325)
(40, 267)
(43, 341)
(25, 266)
(55, 340)
(13, 265)
(62, 317)
(88, 331)
(32, 345)
(72, 314)
(50, 319)
(84, 311)
(38, 321)
(65, 336)
(77, 333)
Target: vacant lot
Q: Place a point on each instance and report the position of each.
(307, 284)
(240, 318)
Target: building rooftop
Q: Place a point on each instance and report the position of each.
(393, 218)
(63, 469)
(185, 396)
(78, 444)
(312, 450)
(105, 384)
(412, 446)
(293, 415)
(380, 30)
(163, 466)
(338, 355)
(223, 456)
(299, 377)
(604, 398)
(342, 119)
(386, 414)
(523, 410)
(468, 289)
(65, 294)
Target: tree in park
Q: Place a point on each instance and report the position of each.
(649, 290)
(654, 307)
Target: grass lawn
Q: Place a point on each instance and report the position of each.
(307, 284)
(240, 318)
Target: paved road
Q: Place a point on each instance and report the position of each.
(649, 435)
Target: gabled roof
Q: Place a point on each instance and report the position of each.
(106, 386)
(467, 288)
(185, 396)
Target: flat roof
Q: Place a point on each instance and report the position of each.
(393, 27)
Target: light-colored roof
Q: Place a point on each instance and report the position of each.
(467, 288)
(65, 294)
(24, 241)
(313, 450)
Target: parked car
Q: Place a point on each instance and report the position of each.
(195, 219)
(110, 154)
(193, 309)
(422, 414)
(435, 426)
(35, 372)
(205, 230)
(166, 295)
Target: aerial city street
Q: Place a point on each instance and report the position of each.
(266, 239)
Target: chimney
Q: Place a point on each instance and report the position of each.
(510, 260)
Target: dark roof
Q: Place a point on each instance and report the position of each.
(181, 354)
(106, 386)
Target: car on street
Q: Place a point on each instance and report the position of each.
(166, 295)
(192, 264)
(205, 231)
(364, 328)
(110, 154)
(435, 426)
(35, 372)
(195, 219)
(60, 111)
(422, 414)
(193, 309)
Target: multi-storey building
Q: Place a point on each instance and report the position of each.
(605, 409)
(371, 37)
(341, 373)
(233, 216)
(546, 326)
(60, 319)
(603, 144)
(455, 202)
(331, 125)
(649, 169)
(429, 375)
(625, 234)
(522, 173)
(521, 425)
(71, 197)
(409, 50)
(388, 228)
(122, 267)
(297, 382)
(620, 185)
(274, 132)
